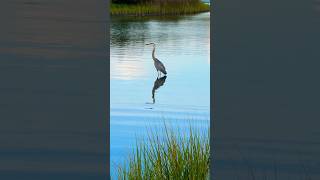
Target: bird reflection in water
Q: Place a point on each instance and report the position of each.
(157, 84)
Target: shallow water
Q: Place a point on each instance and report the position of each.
(140, 100)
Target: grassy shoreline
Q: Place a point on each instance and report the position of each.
(174, 156)
(157, 10)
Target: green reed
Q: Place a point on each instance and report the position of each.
(163, 8)
(174, 155)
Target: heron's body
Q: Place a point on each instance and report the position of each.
(159, 66)
(157, 63)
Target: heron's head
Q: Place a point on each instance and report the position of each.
(154, 45)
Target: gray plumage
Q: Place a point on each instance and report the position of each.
(157, 63)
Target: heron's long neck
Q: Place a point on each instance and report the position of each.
(154, 49)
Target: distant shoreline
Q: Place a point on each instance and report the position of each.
(156, 10)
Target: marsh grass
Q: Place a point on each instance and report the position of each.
(158, 9)
(173, 155)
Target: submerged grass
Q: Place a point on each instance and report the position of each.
(172, 156)
(153, 9)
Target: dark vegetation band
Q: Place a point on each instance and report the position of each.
(157, 2)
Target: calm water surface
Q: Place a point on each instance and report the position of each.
(53, 84)
(267, 91)
(140, 100)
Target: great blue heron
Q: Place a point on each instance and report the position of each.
(157, 63)
(157, 84)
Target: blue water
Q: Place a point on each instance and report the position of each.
(140, 101)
